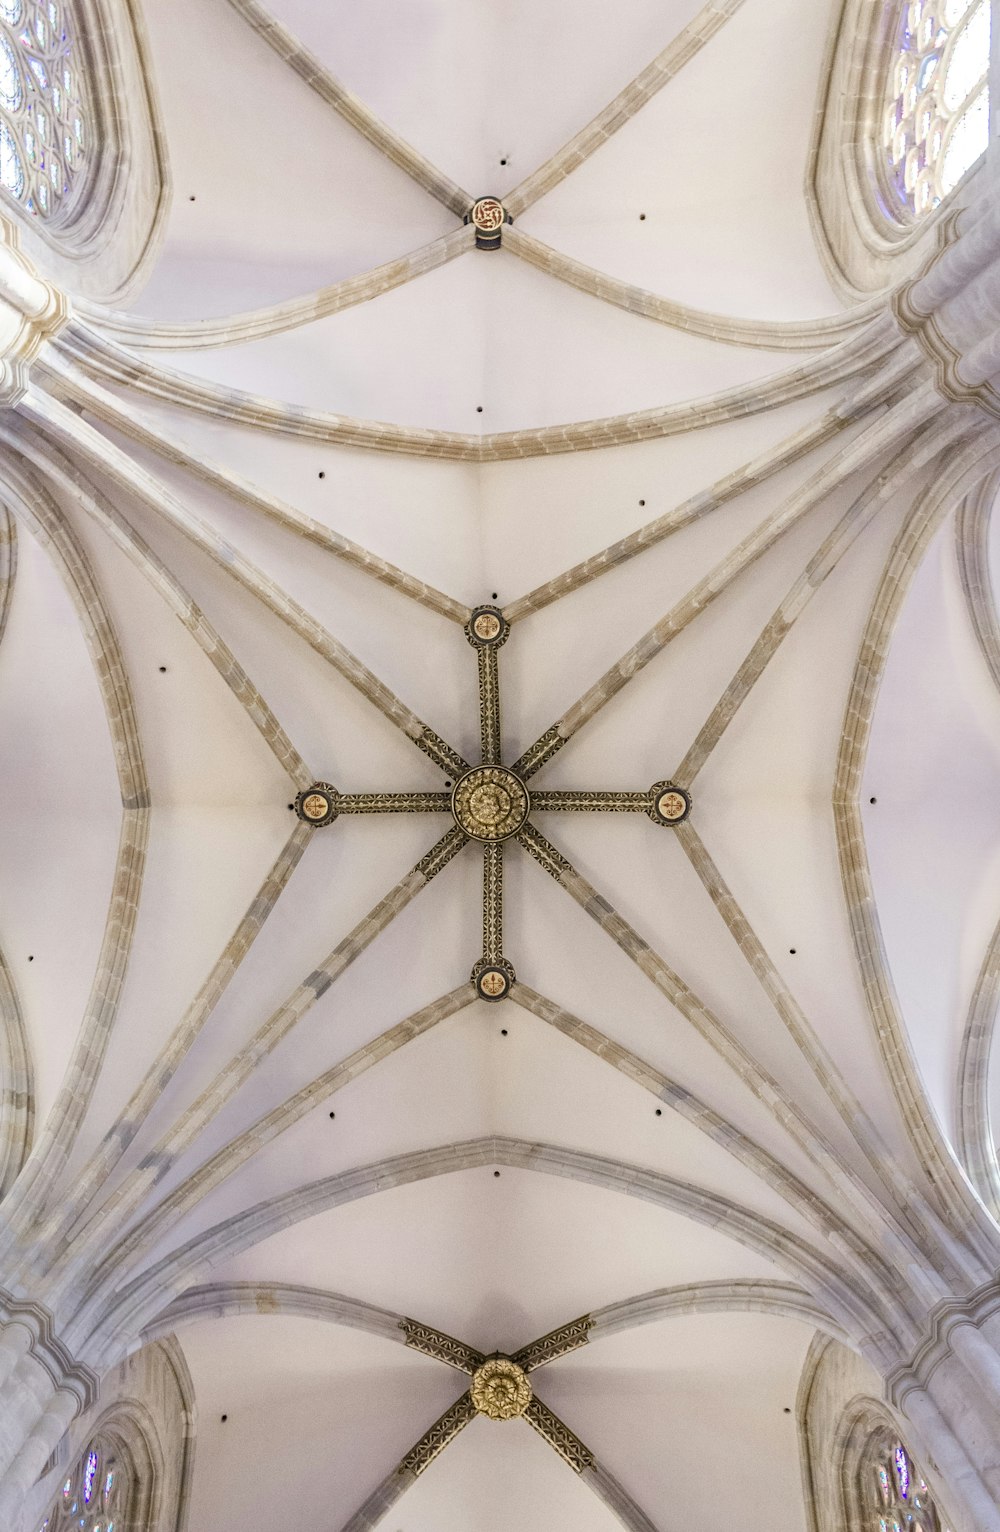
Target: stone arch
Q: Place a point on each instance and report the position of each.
(866, 248)
(99, 246)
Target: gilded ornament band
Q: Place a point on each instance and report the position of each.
(544, 852)
(556, 1344)
(442, 852)
(443, 1348)
(441, 753)
(394, 803)
(569, 1447)
(492, 902)
(489, 704)
(440, 1434)
(539, 754)
(583, 802)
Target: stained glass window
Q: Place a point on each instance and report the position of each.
(44, 136)
(894, 1494)
(935, 120)
(95, 1496)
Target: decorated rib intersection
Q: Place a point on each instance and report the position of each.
(491, 804)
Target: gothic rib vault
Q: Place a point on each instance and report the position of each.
(729, 568)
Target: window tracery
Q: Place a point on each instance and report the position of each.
(95, 1496)
(935, 122)
(894, 1495)
(44, 131)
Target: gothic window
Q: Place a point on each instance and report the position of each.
(44, 137)
(935, 122)
(894, 1496)
(95, 1496)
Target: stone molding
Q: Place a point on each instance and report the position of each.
(105, 247)
(46, 1347)
(94, 357)
(31, 312)
(952, 305)
(966, 466)
(974, 1311)
(863, 250)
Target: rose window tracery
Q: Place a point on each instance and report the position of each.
(935, 121)
(44, 132)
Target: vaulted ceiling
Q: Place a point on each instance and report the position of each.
(590, 1074)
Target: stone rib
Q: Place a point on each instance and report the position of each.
(789, 451)
(44, 455)
(746, 1150)
(106, 407)
(190, 1123)
(55, 419)
(977, 1144)
(899, 1193)
(972, 534)
(351, 109)
(88, 1182)
(678, 52)
(136, 1303)
(98, 358)
(965, 1215)
(617, 1498)
(901, 424)
(28, 496)
(225, 1300)
(17, 1086)
(760, 334)
(754, 1295)
(102, 1277)
(904, 468)
(783, 1109)
(277, 318)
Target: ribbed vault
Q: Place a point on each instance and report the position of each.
(502, 829)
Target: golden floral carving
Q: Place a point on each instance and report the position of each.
(500, 1389)
(490, 803)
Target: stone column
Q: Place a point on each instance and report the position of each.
(950, 1390)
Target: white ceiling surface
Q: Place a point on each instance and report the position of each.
(60, 808)
(688, 1413)
(935, 755)
(688, 1409)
